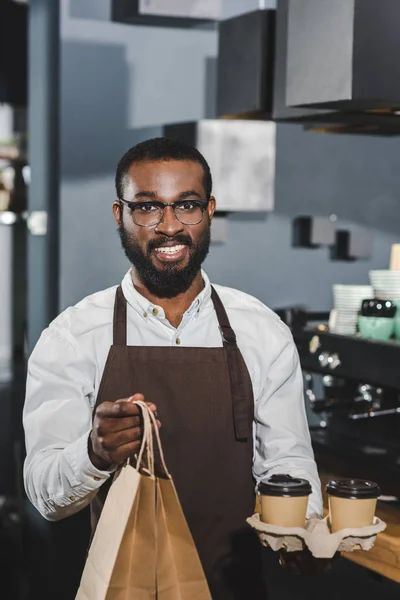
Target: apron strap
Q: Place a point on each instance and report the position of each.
(119, 328)
(238, 391)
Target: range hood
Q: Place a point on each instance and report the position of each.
(171, 13)
(241, 155)
(252, 69)
(281, 110)
(246, 61)
(344, 55)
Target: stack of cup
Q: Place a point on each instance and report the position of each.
(347, 303)
(352, 503)
(284, 500)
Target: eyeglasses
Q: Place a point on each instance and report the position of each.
(148, 214)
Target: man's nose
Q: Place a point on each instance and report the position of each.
(169, 224)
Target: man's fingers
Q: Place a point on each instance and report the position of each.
(118, 409)
(122, 408)
(135, 398)
(114, 442)
(140, 398)
(124, 452)
(152, 407)
(112, 425)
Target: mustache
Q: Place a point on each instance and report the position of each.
(177, 239)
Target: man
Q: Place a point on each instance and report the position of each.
(219, 369)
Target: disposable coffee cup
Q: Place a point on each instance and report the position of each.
(284, 500)
(352, 503)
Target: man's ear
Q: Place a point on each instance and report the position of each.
(117, 212)
(211, 207)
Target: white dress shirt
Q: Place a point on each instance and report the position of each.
(66, 367)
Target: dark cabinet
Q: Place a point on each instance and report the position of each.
(246, 64)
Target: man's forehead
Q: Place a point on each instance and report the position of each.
(170, 176)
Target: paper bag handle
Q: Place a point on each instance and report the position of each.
(147, 440)
(158, 439)
(147, 445)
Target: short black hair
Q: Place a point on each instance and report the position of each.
(161, 148)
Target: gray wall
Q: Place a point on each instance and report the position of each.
(121, 83)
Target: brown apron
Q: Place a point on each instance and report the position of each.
(205, 403)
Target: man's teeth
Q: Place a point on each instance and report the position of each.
(170, 249)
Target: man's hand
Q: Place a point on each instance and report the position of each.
(117, 432)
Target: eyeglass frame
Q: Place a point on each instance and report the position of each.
(163, 206)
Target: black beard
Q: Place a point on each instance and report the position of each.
(172, 280)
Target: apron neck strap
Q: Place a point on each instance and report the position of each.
(236, 375)
(228, 335)
(119, 328)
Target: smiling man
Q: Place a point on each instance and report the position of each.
(218, 368)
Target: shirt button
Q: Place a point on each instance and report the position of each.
(72, 498)
(145, 315)
(177, 341)
(96, 478)
(155, 311)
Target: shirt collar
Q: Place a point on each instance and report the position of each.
(143, 306)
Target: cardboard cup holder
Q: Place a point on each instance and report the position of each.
(317, 536)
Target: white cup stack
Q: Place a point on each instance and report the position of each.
(347, 303)
(386, 284)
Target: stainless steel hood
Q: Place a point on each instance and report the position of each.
(252, 69)
(344, 55)
(281, 110)
(246, 62)
(171, 13)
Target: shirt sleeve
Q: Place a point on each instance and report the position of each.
(282, 438)
(58, 474)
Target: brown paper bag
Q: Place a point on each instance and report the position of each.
(143, 548)
(121, 563)
(180, 575)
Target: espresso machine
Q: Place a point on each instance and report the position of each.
(352, 391)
